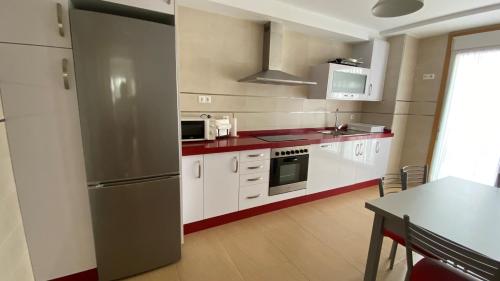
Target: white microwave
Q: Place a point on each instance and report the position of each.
(197, 129)
(349, 82)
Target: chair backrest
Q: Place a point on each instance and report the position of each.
(448, 251)
(414, 176)
(390, 183)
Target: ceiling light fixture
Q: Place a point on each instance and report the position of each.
(396, 8)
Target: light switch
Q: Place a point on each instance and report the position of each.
(429, 76)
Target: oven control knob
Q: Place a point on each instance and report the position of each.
(301, 151)
(277, 154)
(296, 151)
(287, 153)
(292, 152)
(282, 153)
(305, 150)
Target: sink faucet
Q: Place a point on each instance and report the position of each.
(338, 127)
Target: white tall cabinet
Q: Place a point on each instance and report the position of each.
(43, 130)
(35, 22)
(221, 183)
(192, 188)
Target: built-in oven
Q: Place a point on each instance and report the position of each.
(288, 169)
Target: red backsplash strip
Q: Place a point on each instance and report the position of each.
(211, 222)
(248, 141)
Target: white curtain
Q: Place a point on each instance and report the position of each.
(468, 144)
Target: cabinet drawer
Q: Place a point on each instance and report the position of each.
(254, 179)
(254, 167)
(254, 155)
(253, 196)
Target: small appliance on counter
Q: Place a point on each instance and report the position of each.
(369, 128)
(222, 127)
(198, 129)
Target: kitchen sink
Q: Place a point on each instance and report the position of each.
(343, 133)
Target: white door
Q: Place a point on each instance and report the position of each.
(44, 136)
(36, 22)
(192, 188)
(221, 183)
(162, 6)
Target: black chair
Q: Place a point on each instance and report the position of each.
(413, 175)
(391, 183)
(445, 259)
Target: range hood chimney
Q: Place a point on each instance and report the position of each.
(271, 61)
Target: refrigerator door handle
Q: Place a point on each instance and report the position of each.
(132, 181)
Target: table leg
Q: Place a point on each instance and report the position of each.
(375, 248)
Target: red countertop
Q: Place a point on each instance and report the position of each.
(248, 141)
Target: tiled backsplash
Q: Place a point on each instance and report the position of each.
(216, 51)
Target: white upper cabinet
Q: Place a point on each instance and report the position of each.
(162, 6)
(35, 22)
(43, 129)
(221, 183)
(192, 188)
(374, 54)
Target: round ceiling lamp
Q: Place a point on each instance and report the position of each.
(396, 8)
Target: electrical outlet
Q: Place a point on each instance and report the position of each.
(429, 76)
(352, 116)
(204, 99)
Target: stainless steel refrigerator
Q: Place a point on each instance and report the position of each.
(127, 95)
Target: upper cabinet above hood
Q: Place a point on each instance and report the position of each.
(271, 61)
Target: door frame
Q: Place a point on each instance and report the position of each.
(444, 83)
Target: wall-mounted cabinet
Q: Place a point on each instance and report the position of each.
(342, 82)
(35, 22)
(162, 6)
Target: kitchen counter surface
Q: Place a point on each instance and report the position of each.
(248, 140)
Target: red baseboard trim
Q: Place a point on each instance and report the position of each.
(227, 218)
(88, 275)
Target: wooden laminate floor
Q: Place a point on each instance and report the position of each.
(322, 240)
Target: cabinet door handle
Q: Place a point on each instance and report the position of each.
(370, 89)
(361, 149)
(255, 167)
(356, 150)
(60, 24)
(255, 155)
(236, 164)
(256, 179)
(198, 164)
(377, 147)
(253, 196)
(65, 73)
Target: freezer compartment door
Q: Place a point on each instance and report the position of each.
(127, 96)
(136, 227)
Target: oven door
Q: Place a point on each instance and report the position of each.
(288, 174)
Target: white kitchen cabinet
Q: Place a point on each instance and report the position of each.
(35, 22)
(192, 188)
(377, 157)
(43, 131)
(253, 196)
(339, 164)
(221, 183)
(374, 54)
(162, 6)
(331, 165)
(255, 155)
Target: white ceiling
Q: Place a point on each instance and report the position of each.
(351, 20)
(359, 11)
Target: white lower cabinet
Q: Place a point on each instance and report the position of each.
(221, 183)
(192, 188)
(339, 164)
(253, 195)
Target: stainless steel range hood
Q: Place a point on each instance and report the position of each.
(271, 61)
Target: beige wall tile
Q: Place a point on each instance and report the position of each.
(407, 71)
(216, 51)
(378, 119)
(417, 138)
(397, 146)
